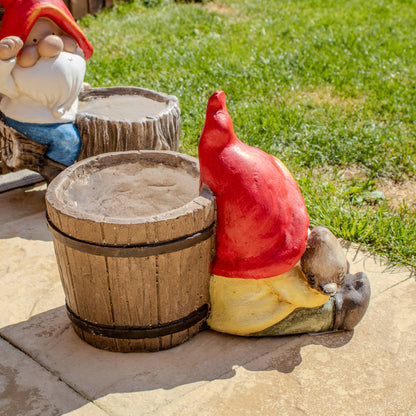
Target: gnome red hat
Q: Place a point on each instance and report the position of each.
(20, 16)
(262, 222)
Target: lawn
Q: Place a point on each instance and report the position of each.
(328, 86)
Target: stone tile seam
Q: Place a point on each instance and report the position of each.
(398, 283)
(55, 374)
(377, 258)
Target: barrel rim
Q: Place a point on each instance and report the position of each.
(52, 200)
(95, 93)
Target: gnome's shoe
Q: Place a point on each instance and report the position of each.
(351, 301)
(49, 169)
(341, 312)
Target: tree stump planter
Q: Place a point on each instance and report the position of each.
(117, 119)
(132, 282)
(112, 119)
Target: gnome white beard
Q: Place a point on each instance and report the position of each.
(48, 91)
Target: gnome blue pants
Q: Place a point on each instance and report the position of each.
(63, 140)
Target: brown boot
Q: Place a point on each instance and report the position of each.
(351, 301)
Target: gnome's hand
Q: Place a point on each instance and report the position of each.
(10, 47)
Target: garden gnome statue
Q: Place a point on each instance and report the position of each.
(42, 67)
(270, 274)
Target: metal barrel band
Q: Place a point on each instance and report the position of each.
(145, 250)
(123, 332)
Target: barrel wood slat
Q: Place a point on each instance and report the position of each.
(156, 289)
(84, 292)
(133, 295)
(186, 265)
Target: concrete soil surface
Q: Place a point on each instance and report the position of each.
(368, 371)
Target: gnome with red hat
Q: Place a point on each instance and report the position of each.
(270, 275)
(42, 67)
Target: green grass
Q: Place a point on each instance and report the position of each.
(318, 83)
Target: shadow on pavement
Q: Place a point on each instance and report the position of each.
(50, 340)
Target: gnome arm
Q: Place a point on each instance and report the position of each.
(9, 48)
(7, 84)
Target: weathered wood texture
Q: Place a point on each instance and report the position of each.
(133, 291)
(4, 168)
(18, 152)
(99, 135)
(78, 8)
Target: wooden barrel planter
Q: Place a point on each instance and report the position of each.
(117, 119)
(133, 241)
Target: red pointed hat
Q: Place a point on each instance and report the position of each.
(20, 16)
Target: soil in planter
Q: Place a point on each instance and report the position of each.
(132, 190)
(128, 108)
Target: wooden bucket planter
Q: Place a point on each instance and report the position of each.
(138, 283)
(117, 119)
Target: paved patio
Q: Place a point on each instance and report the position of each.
(45, 369)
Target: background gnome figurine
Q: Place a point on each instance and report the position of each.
(270, 275)
(42, 67)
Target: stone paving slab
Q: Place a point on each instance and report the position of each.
(147, 380)
(368, 371)
(29, 277)
(27, 389)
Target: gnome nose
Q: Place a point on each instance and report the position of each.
(329, 288)
(50, 46)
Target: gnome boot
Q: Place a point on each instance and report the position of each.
(351, 301)
(49, 169)
(342, 312)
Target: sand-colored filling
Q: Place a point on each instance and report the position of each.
(132, 190)
(129, 108)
